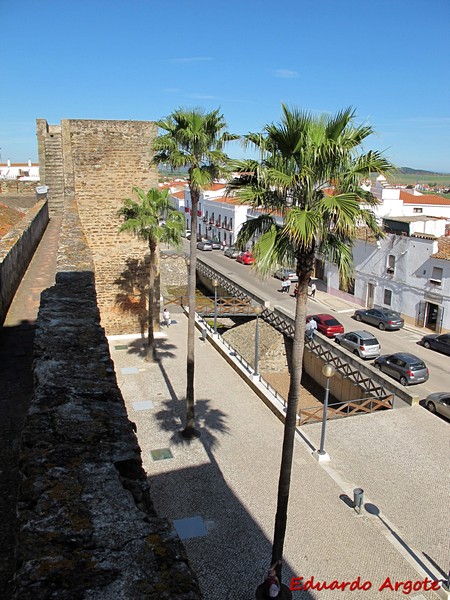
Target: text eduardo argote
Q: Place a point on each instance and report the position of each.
(405, 587)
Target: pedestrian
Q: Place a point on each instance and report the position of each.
(166, 317)
(313, 289)
(308, 329)
(313, 327)
(286, 285)
(272, 585)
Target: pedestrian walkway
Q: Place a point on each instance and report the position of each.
(220, 490)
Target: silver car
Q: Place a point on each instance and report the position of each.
(404, 367)
(439, 402)
(204, 245)
(361, 343)
(285, 273)
(383, 318)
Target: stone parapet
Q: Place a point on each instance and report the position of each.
(16, 250)
(86, 523)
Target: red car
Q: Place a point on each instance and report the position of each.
(327, 325)
(245, 258)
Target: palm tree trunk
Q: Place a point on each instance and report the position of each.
(290, 424)
(189, 431)
(151, 350)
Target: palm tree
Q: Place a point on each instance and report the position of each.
(305, 189)
(153, 220)
(193, 139)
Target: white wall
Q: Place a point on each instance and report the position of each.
(410, 283)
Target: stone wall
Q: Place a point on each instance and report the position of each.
(87, 526)
(97, 163)
(16, 250)
(18, 186)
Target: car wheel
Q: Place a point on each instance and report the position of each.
(337, 340)
(381, 326)
(431, 407)
(426, 345)
(356, 353)
(378, 366)
(358, 318)
(403, 381)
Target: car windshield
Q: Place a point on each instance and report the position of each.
(331, 322)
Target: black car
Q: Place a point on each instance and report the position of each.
(383, 318)
(441, 343)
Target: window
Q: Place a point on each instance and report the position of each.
(391, 264)
(387, 297)
(417, 210)
(436, 276)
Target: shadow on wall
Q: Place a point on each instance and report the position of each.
(133, 284)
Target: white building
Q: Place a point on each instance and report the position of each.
(408, 271)
(22, 171)
(220, 217)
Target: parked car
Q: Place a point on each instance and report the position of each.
(327, 325)
(216, 245)
(205, 245)
(361, 343)
(186, 234)
(441, 343)
(439, 402)
(285, 273)
(232, 252)
(245, 258)
(383, 318)
(404, 367)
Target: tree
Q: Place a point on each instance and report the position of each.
(153, 220)
(193, 139)
(305, 186)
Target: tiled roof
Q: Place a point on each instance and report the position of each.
(178, 194)
(9, 217)
(443, 248)
(409, 198)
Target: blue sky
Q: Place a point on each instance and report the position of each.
(142, 59)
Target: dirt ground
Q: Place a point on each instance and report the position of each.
(310, 393)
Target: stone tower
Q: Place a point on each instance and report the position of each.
(93, 166)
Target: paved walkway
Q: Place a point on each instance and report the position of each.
(220, 490)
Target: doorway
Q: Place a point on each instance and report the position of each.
(433, 316)
(370, 295)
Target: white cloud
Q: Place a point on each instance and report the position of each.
(187, 59)
(286, 74)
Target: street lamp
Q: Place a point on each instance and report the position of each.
(327, 371)
(258, 310)
(215, 283)
(187, 260)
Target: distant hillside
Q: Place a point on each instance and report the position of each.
(419, 172)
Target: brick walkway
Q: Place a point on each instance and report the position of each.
(220, 490)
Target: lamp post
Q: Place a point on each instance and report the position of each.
(327, 371)
(187, 260)
(215, 283)
(258, 311)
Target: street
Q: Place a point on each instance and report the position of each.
(403, 340)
